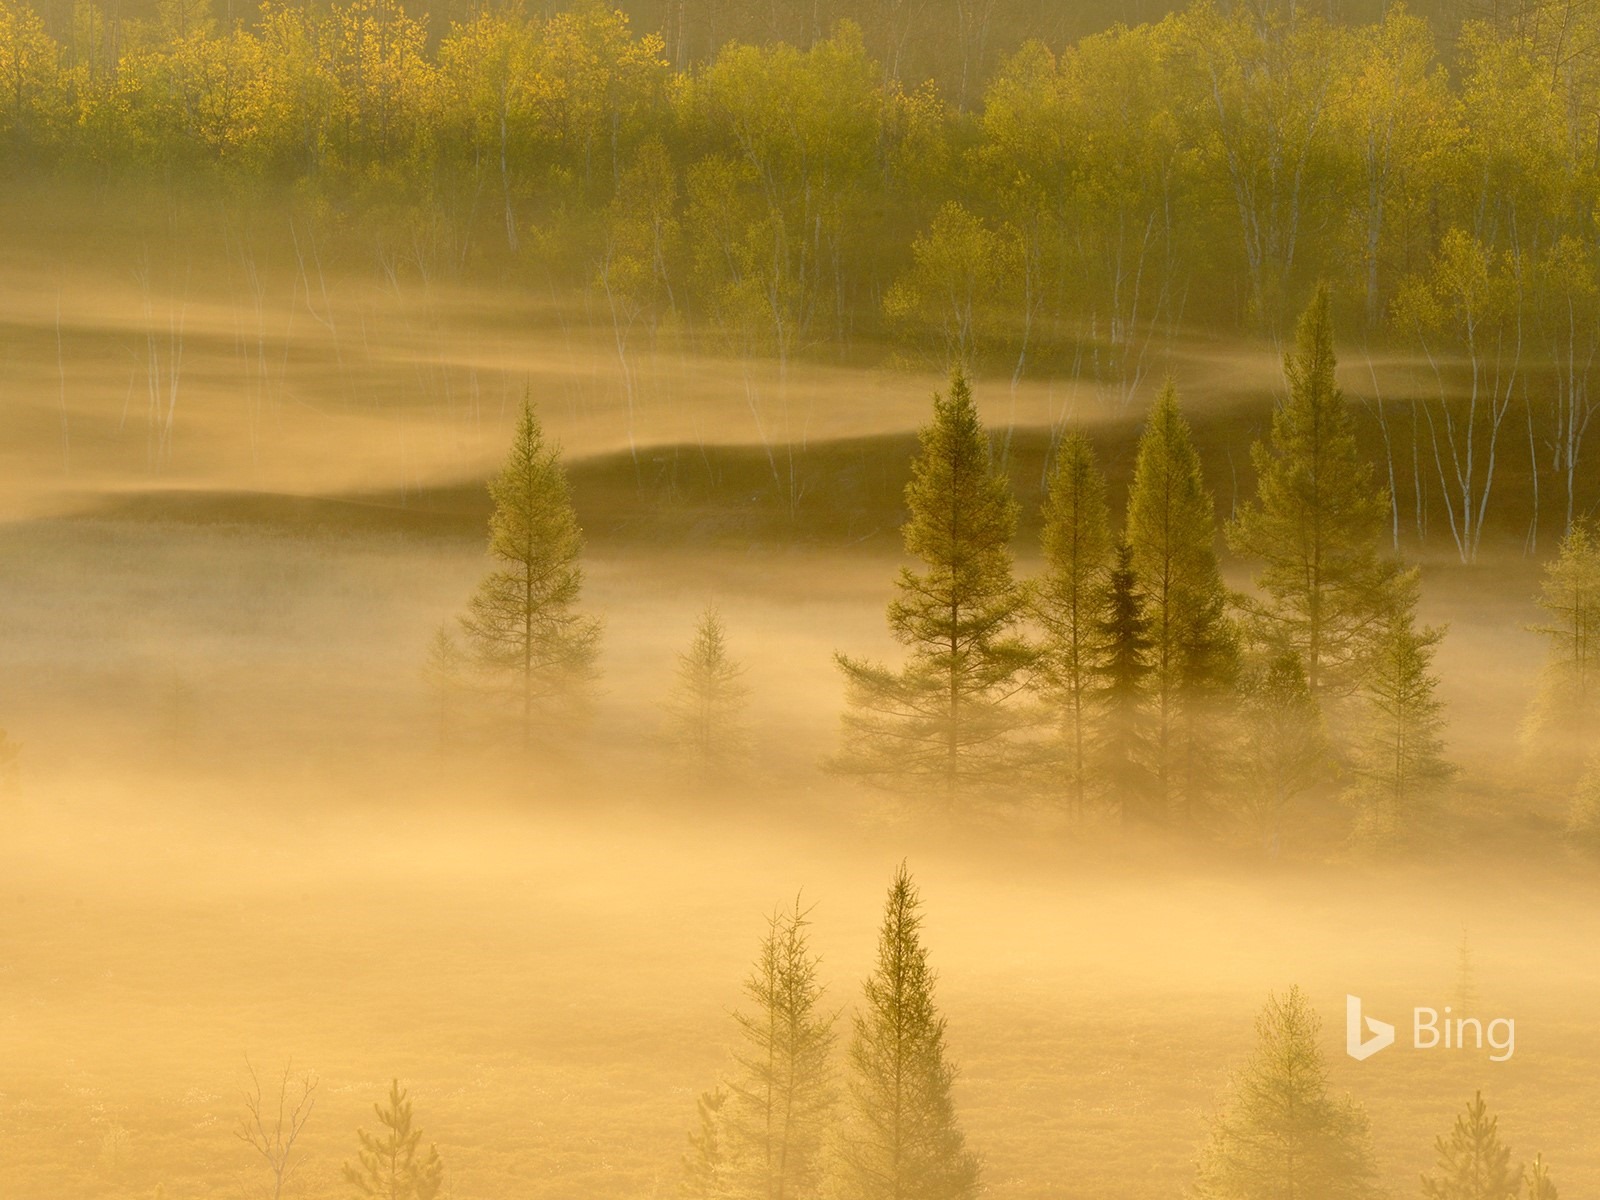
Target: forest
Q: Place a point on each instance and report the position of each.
(873, 600)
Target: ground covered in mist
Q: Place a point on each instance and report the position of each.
(235, 838)
(238, 511)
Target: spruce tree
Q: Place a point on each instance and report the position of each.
(1280, 1135)
(1398, 757)
(782, 1096)
(1069, 601)
(1282, 750)
(1473, 1163)
(1316, 521)
(1568, 705)
(388, 1165)
(902, 1141)
(520, 627)
(948, 718)
(706, 709)
(1194, 652)
(1121, 691)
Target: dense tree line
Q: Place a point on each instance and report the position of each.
(1086, 202)
(1128, 676)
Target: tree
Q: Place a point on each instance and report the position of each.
(388, 1165)
(445, 674)
(1120, 682)
(1473, 1164)
(1282, 751)
(1280, 1133)
(706, 711)
(705, 1163)
(1069, 599)
(776, 1123)
(1569, 697)
(902, 1139)
(948, 717)
(1172, 532)
(271, 1126)
(1317, 521)
(957, 285)
(1398, 758)
(520, 628)
(1583, 825)
(1538, 1181)
(1469, 302)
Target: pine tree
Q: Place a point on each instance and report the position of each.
(1282, 751)
(1473, 1164)
(783, 1095)
(1280, 1134)
(1194, 653)
(445, 674)
(388, 1164)
(706, 710)
(1568, 705)
(949, 717)
(1538, 1180)
(705, 1163)
(1398, 757)
(1316, 521)
(1121, 691)
(520, 626)
(1069, 600)
(903, 1142)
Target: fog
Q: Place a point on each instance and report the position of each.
(243, 490)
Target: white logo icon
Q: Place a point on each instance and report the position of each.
(1355, 1044)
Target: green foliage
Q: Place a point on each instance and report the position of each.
(1282, 751)
(1076, 539)
(950, 716)
(1568, 704)
(520, 628)
(1473, 1163)
(1316, 521)
(388, 1164)
(1172, 533)
(902, 1138)
(1280, 1133)
(706, 710)
(957, 288)
(1398, 756)
(1120, 676)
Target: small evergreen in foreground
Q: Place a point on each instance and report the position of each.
(1473, 1163)
(388, 1165)
(902, 1140)
(1280, 1133)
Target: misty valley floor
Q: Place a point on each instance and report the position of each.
(234, 840)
